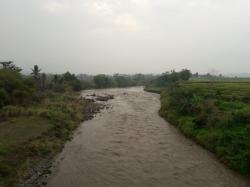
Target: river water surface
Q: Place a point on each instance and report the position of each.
(129, 145)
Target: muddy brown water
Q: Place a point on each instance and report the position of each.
(129, 145)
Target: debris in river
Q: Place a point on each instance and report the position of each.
(104, 98)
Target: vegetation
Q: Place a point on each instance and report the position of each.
(37, 115)
(119, 80)
(168, 79)
(39, 111)
(216, 114)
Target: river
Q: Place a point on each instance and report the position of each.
(129, 145)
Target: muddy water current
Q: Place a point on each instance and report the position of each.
(129, 145)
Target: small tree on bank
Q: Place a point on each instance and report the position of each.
(10, 65)
(36, 75)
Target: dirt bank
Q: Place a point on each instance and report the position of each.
(130, 145)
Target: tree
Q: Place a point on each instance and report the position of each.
(170, 78)
(55, 79)
(101, 81)
(185, 74)
(196, 75)
(14, 87)
(10, 65)
(6, 64)
(3, 97)
(174, 76)
(121, 80)
(10, 80)
(43, 82)
(36, 74)
(76, 85)
(68, 77)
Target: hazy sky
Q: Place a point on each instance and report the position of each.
(126, 36)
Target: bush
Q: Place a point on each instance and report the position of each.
(187, 126)
(241, 116)
(3, 97)
(15, 89)
(215, 116)
(5, 169)
(12, 111)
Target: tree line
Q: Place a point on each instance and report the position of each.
(17, 88)
(121, 80)
(171, 77)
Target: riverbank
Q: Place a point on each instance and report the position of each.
(215, 115)
(31, 136)
(154, 89)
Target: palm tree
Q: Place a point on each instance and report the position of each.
(36, 72)
(36, 75)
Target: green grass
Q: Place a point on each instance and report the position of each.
(33, 133)
(216, 114)
(15, 134)
(220, 79)
(21, 129)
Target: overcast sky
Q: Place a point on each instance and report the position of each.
(126, 36)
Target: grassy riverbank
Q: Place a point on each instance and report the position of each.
(215, 114)
(154, 89)
(36, 132)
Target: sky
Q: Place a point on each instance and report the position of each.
(126, 36)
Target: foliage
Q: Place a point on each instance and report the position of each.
(32, 133)
(14, 88)
(171, 78)
(121, 80)
(36, 72)
(216, 115)
(38, 113)
(103, 81)
(72, 81)
(10, 65)
(3, 97)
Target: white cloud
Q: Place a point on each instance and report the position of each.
(127, 22)
(57, 6)
(141, 3)
(205, 4)
(100, 7)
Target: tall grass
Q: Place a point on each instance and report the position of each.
(35, 132)
(214, 114)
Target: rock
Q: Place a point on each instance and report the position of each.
(104, 98)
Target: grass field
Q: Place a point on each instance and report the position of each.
(219, 79)
(216, 114)
(21, 129)
(32, 133)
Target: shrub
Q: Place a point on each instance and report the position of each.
(3, 97)
(241, 116)
(187, 126)
(214, 115)
(12, 111)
